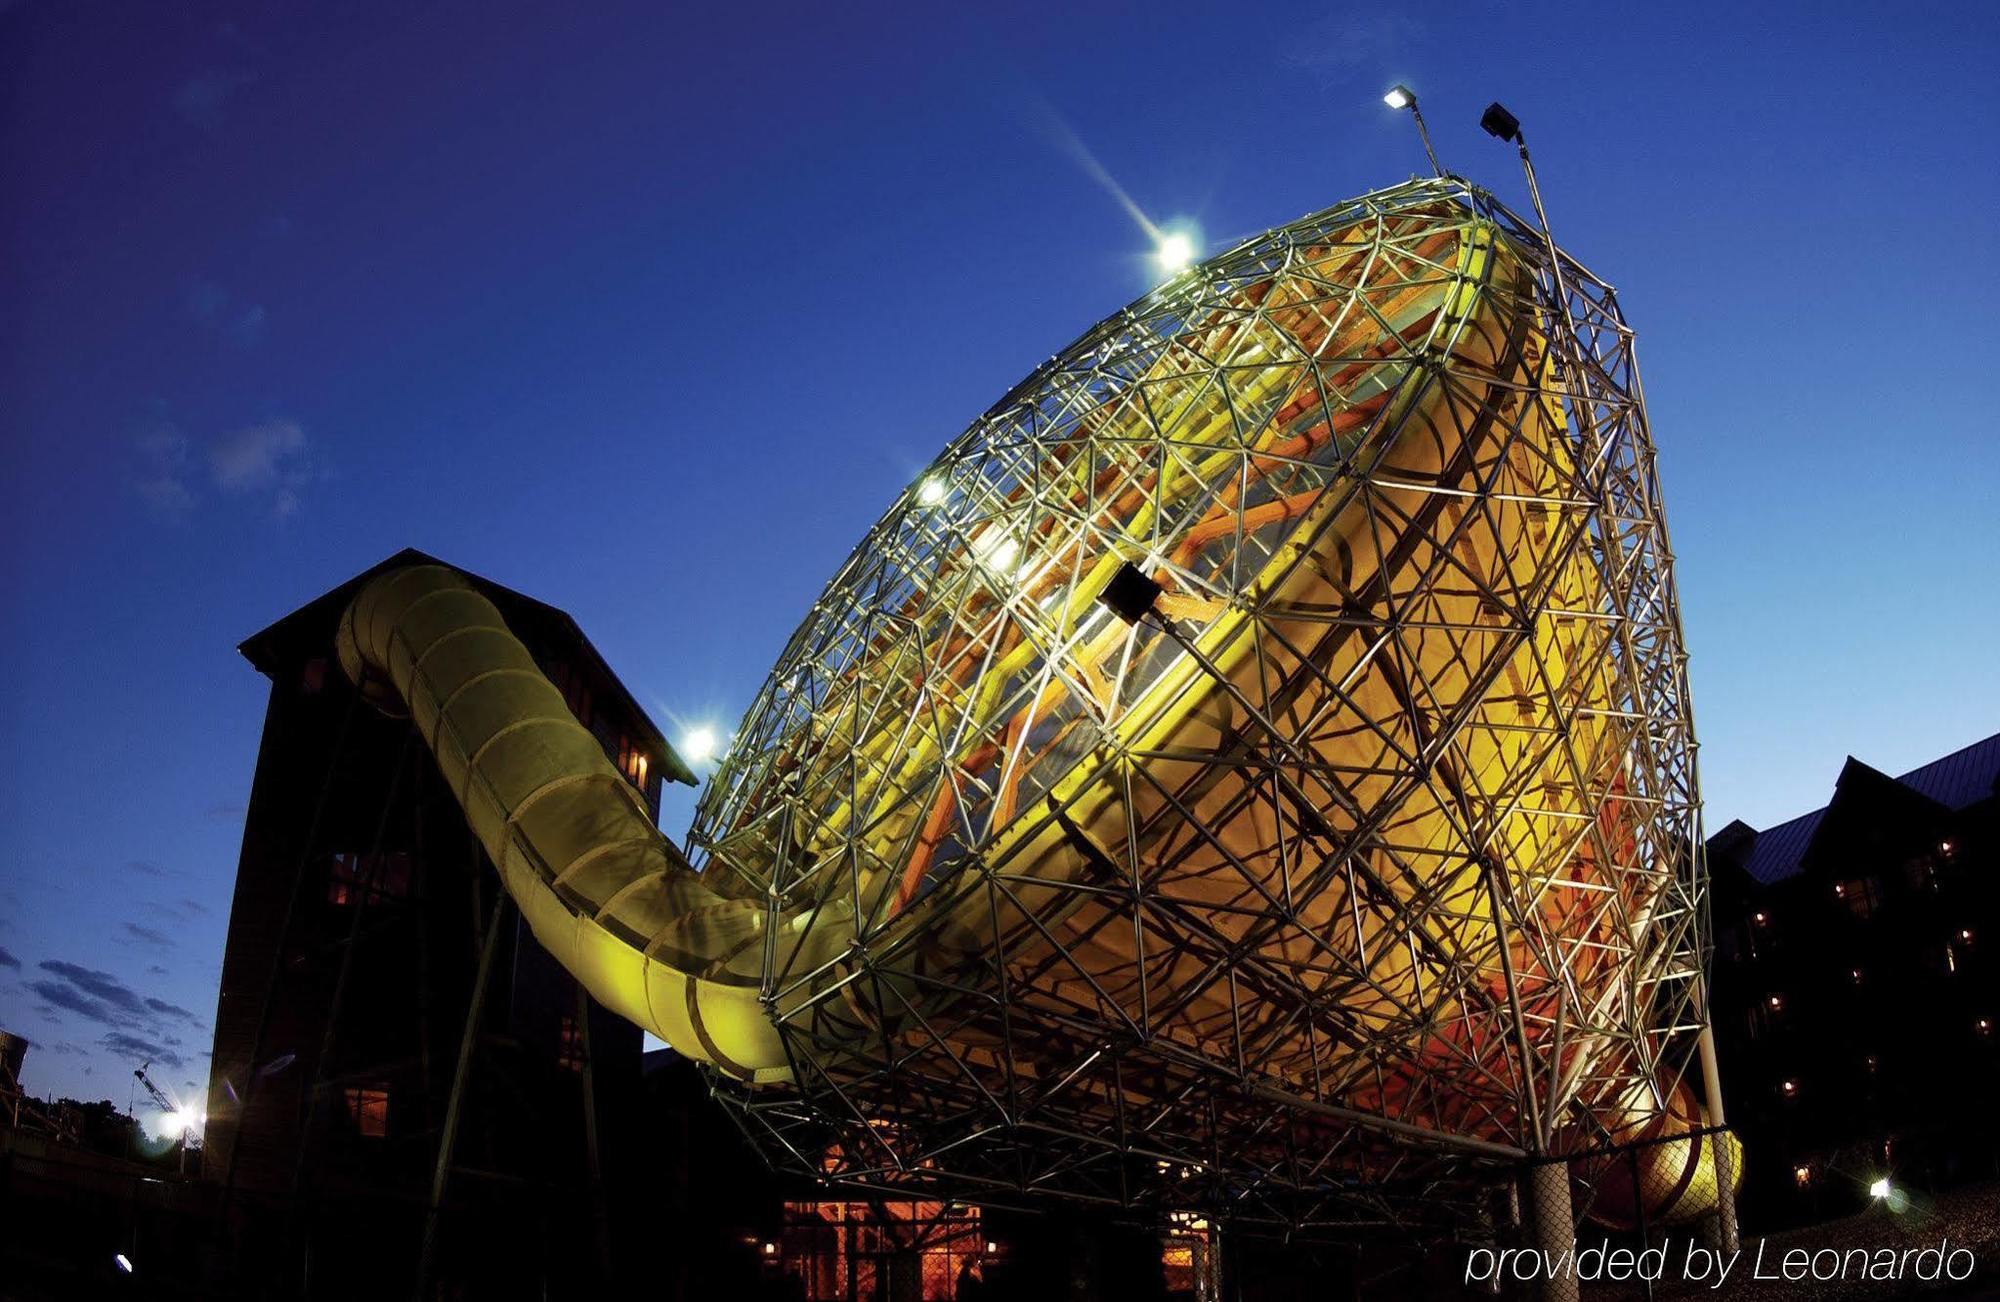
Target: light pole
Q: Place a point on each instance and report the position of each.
(1400, 96)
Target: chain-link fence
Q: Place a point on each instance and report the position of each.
(1639, 1194)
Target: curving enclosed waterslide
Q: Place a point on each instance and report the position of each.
(1358, 853)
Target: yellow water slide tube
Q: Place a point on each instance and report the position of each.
(605, 893)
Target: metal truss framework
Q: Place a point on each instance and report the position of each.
(1364, 863)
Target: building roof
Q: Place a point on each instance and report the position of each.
(1777, 850)
(1963, 778)
(310, 627)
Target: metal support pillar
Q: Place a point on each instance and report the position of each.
(1552, 1228)
(468, 1045)
(1723, 1222)
(593, 1164)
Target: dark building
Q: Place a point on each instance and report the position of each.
(1856, 1003)
(353, 1033)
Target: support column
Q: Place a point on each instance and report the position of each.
(1723, 1223)
(1552, 1227)
(454, 1110)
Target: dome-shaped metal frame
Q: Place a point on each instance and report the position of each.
(1368, 855)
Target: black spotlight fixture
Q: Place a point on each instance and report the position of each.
(1499, 123)
(1130, 594)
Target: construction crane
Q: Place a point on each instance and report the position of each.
(177, 1117)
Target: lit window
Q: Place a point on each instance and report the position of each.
(569, 1044)
(1860, 894)
(633, 762)
(368, 1109)
(382, 876)
(1802, 1176)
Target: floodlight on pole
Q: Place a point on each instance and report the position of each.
(1400, 96)
(1497, 122)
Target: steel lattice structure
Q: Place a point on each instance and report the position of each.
(1364, 860)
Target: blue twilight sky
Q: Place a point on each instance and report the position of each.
(649, 309)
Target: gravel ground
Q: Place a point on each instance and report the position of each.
(1966, 1218)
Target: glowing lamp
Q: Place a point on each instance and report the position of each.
(1399, 97)
(699, 745)
(1174, 252)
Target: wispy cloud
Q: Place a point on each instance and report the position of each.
(134, 1025)
(147, 935)
(255, 457)
(60, 996)
(155, 969)
(268, 464)
(8, 960)
(268, 460)
(128, 1045)
(236, 321)
(113, 999)
(165, 1009)
(146, 868)
(180, 911)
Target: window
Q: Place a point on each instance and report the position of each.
(569, 1044)
(368, 1110)
(1860, 894)
(383, 876)
(313, 679)
(633, 762)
